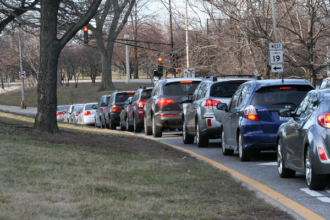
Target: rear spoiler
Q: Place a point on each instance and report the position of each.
(215, 78)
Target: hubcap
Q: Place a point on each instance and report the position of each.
(308, 169)
(279, 159)
(240, 150)
(197, 133)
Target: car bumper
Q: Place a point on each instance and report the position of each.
(88, 120)
(256, 139)
(163, 119)
(115, 117)
(213, 131)
(321, 140)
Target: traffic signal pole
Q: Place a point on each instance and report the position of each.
(187, 37)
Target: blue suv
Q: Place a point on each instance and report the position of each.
(251, 119)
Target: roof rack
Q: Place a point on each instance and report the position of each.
(257, 77)
(211, 78)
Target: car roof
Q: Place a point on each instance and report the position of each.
(123, 91)
(326, 79)
(180, 79)
(278, 82)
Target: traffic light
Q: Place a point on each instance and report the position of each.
(86, 35)
(160, 66)
(176, 71)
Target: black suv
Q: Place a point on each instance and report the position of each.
(164, 108)
(115, 105)
(101, 107)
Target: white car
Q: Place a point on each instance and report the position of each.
(87, 114)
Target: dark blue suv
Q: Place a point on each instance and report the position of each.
(251, 119)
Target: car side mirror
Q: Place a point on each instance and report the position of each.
(222, 107)
(127, 102)
(186, 99)
(286, 112)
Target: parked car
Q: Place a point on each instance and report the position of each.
(75, 113)
(86, 114)
(68, 112)
(303, 143)
(59, 112)
(325, 84)
(251, 119)
(101, 107)
(123, 124)
(135, 116)
(164, 108)
(199, 114)
(115, 105)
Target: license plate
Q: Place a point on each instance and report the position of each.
(184, 105)
(285, 118)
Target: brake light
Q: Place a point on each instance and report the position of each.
(87, 113)
(140, 107)
(210, 103)
(324, 120)
(77, 114)
(104, 110)
(285, 87)
(186, 81)
(59, 113)
(130, 92)
(251, 113)
(322, 154)
(209, 122)
(115, 108)
(163, 102)
(168, 115)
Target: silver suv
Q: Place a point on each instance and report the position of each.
(200, 113)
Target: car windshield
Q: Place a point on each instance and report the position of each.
(146, 94)
(90, 106)
(180, 88)
(225, 89)
(122, 97)
(277, 96)
(62, 108)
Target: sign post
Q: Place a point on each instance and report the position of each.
(276, 57)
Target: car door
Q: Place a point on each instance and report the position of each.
(228, 118)
(149, 104)
(131, 107)
(189, 117)
(195, 105)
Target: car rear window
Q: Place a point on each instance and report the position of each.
(122, 97)
(180, 88)
(62, 108)
(145, 94)
(279, 96)
(90, 106)
(225, 89)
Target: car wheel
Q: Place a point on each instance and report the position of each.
(95, 124)
(187, 138)
(137, 128)
(156, 130)
(281, 168)
(112, 125)
(147, 129)
(225, 151)
(244, 154)
(200, 140)
(122, 128)
(314, 181)
(128, 127)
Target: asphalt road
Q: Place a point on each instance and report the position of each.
(262, 168)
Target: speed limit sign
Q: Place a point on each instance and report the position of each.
(276, 57)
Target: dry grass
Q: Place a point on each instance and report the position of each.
(86, 92)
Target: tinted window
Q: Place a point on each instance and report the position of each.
(224, 89)
(307, 106)
(196, 92)
(145, 94)
(122, 97)
(180, 89)
(280, 96)
(323, 85)
(90, 107)
(246, 93)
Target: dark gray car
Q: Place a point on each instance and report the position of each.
(101, 107)
(303, 143)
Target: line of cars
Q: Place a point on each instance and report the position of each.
(77, 113)
(249, 115)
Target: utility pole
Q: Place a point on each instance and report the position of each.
(187, 38)
(171, 27)
(127, 60)
(275, 29)
(23, 105)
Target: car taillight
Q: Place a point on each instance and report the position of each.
(59, 113)
(104, 110)
(87, 113)
(210, 103)
(115, 108)
(77, 114)
(168, 115)
(141, 105)
(324, 120)
(163, 102)
(251, 113)
(322, 154)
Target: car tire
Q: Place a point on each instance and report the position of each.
(147, 129)
(244, 154)
(95, 124)
(200, 140)
(283, 171)
(156, 130)
(112, 125)
(314, 181)
(128, 127)
(225, 151)
(187, 138)
(137, 128)
(122, 128)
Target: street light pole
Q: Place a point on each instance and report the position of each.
(23, 105)
(187, 38)
(126, 37)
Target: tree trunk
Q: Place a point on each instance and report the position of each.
(45, 119)
(265, 74)
(106, 83)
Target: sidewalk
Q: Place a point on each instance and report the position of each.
(29, 111)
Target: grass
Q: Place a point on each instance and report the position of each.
(86, 92)
(41, 180)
